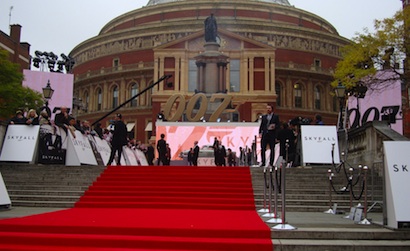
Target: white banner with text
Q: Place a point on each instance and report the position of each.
(397, 173)
(20, 143)
(318, 143)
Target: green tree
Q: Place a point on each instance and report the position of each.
(14, 96)
(385, 48)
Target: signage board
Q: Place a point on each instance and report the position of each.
(4, 195)
(79, 150)
(20, 143)
(130, 157)
(50, 149)
(317, 144)
(142, 159)
(103, 148)
(397, 178)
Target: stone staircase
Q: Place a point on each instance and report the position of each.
(47, 186)
(307, 197)
(307, 189)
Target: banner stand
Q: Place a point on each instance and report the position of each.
(4, 195)
(20, 144)
(79, 150)
(71, 156)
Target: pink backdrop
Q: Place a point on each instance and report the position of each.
(181, 136)
(62, 84)
(386, 96)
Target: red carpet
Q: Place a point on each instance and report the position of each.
(150, 208)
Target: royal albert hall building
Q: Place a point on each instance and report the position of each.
(273, 53)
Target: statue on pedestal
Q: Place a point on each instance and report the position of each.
(211, 29)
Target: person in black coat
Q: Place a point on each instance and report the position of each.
(162, 150)
(267, 132)
(195, 154)
(119, 139)
(150, 154)
(287, 139)
(19, 119)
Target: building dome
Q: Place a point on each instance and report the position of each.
(155, 2)
(271, 52)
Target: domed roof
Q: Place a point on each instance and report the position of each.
(155, 2)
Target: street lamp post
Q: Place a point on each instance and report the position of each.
(340, 92)
(47, 93)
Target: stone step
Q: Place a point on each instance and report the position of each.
(39, 203)
(44, 198)
(368, 232)
(39, 187)
(353, 245)
(15, 193)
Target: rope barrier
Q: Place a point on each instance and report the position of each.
(351, 179)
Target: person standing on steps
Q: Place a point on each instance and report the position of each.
(162, 150)
(119, 139)
(267, 132)
(195, 154)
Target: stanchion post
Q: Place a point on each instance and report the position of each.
(365, 221)
(329, 172)
(365, 191)
(275, 184)
(283, 226)
(350, 186)
(269, 214)
(264, 209)
(275, 198)
(330, 176)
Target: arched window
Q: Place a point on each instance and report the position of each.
(99, 99)
(318, 98)
(297, 92)
(134, 91)
(278, 90)
(114, 97)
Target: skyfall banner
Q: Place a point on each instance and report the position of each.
(318, 143)
(20, 143)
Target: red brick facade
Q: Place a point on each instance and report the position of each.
(19, 52)
(277, 47)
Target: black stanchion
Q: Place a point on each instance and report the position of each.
(350, 186)
(330, 176)
(365, 221)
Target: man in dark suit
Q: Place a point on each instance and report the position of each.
(267, 132)
(195, 154)
(162, 150)
(119, 139)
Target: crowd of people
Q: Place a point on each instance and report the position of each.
(271, 132)
(116, 136)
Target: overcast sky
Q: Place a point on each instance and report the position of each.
(58, 26)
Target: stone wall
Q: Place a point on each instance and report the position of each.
(364, 145)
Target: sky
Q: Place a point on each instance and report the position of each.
(59, 26)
